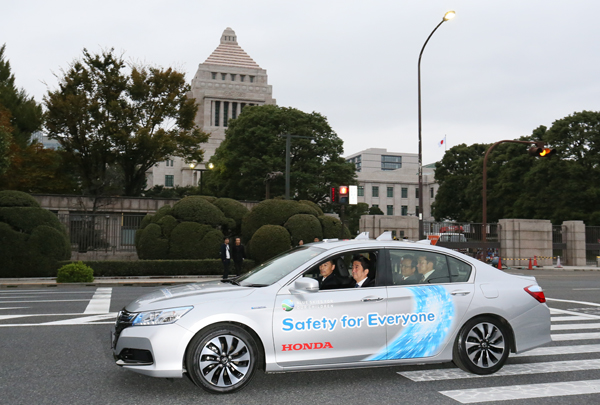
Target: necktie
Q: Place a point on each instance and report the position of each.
(356, 286)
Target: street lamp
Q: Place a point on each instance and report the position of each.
(448, 16)
(288, 151)
(193, 167)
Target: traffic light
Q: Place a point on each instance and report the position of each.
(343, 194)
(540, 150)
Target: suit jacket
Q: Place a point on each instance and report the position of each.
(369, 282)
(223, 255)
(330, 283)
(436, 277)
(238, 253)
(414, 279)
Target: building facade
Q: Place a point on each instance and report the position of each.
(390, 181)
(224, 84)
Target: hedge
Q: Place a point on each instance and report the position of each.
(12, 198)
(272, 212)
(198, 209)
(232, 209)
(304, 227)
(186, 240)
(332, 227)
(269, 241)
(313, 205)
(140, 268)
(26, 219)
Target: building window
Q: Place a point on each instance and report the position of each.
(217, 113)
(391, 162)
(431, 192)
(214, 75)
(375, 191)
(404, 210)
(390, 192)
(417, 192)
(170, 162)
(390, 210)
(404, 192)
(223, 76)
(169, 180)
(242, 105)
(232, 77)
(361, 191)
(417, 210)
(234, 110)
(251, 79)
(225, 112)
(242, 78)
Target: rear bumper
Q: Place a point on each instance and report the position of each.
(532, 328)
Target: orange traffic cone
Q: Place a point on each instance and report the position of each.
(535, 261)
(530, 267)
(500, 263)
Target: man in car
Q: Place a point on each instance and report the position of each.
(360, 272)
(408, 274)
(328, 280)
(427, 273)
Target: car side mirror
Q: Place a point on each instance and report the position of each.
(304, 285)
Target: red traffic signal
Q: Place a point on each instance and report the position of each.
(333, 194)
(343, 194)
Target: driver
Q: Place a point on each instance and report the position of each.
(328, 280)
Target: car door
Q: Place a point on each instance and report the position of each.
(422, 315)
(329, 326)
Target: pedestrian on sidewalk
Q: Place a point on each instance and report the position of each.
(226, 257)
(238, 253)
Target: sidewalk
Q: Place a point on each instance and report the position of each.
(153, 281)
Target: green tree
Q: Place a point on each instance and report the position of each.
(254, 148)
(106, 115)
(5, 138)
(375, 211)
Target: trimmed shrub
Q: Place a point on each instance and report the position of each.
(211, 244)
(25, 219)
(272, 212)
(75, 273)
(232, 209)
(140, 268)
(303, 227)
(151, 245)
(269, 241)
(12, 198)
(331, 228)
(50, 243)
(186, 240)
(147, 220)
(198, 209)
(13, 252)
(208, 198)
(162, 211)
(167, 224)
(313, 205)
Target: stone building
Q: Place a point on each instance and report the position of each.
(390, 181)
(227, 81)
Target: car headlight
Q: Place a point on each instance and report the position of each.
(160, 317)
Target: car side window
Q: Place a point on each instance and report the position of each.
(338, 270)
(460, 271)
(410, 267)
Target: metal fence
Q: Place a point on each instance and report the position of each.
(592, 244)
(114, 232)
(559, 242)
(466, 237)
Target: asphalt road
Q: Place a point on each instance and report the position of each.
(53, 352)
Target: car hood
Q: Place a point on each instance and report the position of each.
(188, 294)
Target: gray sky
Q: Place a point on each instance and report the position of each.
(497, 71)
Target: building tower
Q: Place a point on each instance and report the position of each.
(224, 84)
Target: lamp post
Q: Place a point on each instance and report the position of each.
(288, 151)
(448, 16)
(193, 167)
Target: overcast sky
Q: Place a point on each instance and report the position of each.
(497, 71)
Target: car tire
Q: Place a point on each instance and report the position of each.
(482, 346)
(222, 359)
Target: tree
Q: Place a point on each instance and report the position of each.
(5, 138)
(254, 148)
(373, 210)
(105, 117)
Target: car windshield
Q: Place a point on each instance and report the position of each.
(278, 267)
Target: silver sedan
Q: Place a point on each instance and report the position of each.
(335, 304)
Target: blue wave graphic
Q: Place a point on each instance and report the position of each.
(422, 339)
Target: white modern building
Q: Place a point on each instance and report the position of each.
(390, 181)
(224, 84)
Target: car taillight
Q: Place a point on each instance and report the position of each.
(536, 292)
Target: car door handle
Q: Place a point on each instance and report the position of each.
(370, 299)
(460, 292)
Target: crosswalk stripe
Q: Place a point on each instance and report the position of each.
(507, 370)
(578, 314)
(593, 304)
(571, 318)
(100, 302)
(574, 336)
(575, 326)
(558, 350)
(526, 391)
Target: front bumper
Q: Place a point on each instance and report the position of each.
(156, 351)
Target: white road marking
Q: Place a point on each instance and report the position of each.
(575, 326)
(3, 317)
(86, 320)
(28, 292)
(27, 302)
(507, 370)
(100, 302)
(574, 302)
(570, 318)
(578, 314)
(527, 391)
(585, 289)
(15, 308)
(574, 336)
(558, 350)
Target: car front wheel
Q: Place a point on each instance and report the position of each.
(482, 346)
(222, 359)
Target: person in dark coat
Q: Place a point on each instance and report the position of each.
(360, 272)
(328, 280)
(238, 254)
(226, 257)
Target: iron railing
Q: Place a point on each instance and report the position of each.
(559, 242)
(592, 245)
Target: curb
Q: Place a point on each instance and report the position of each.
(151, 281)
